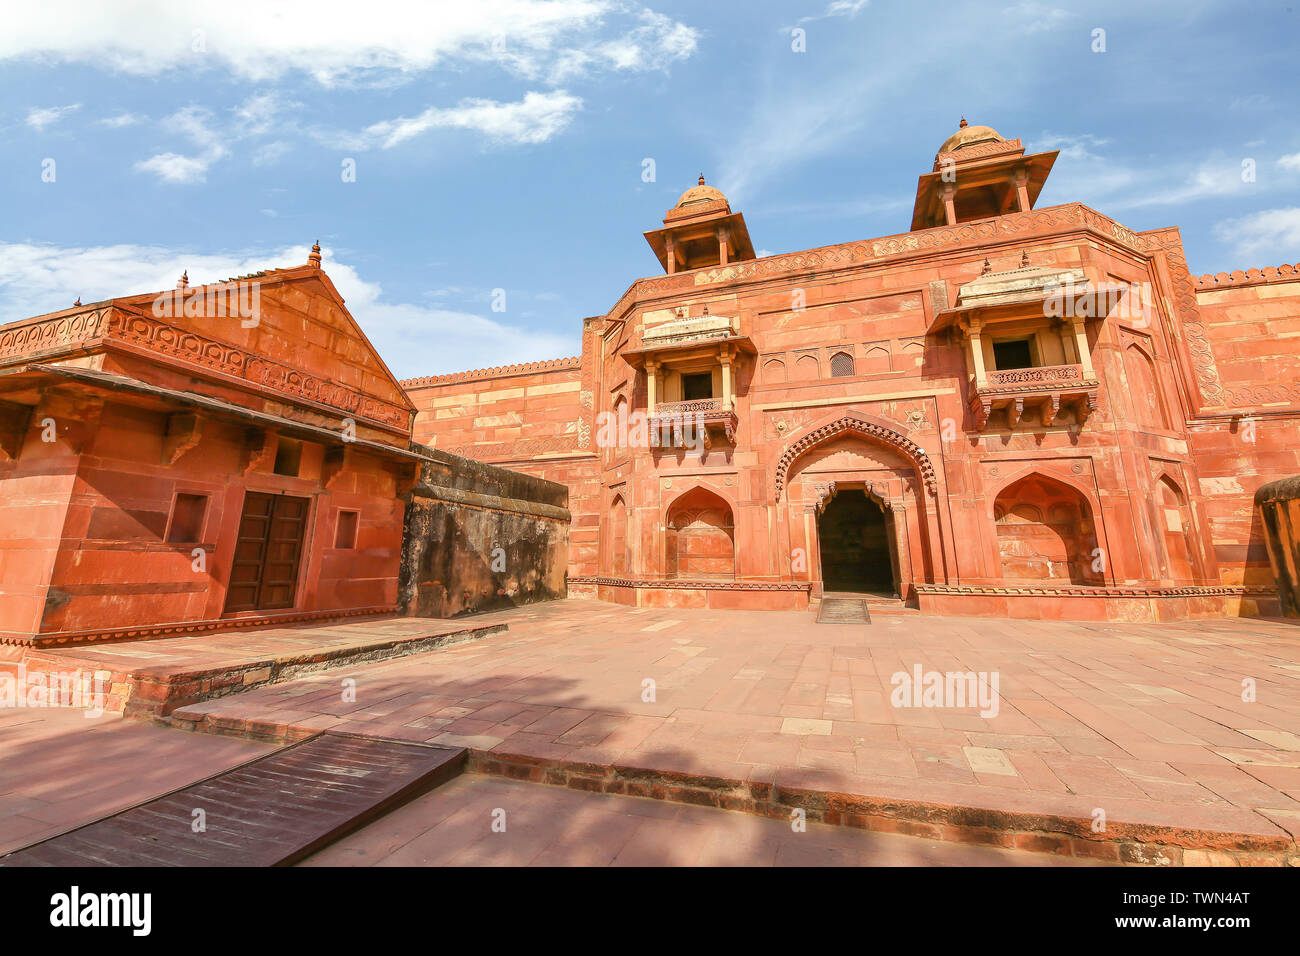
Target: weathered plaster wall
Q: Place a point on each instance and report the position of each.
(478, 537)
(1278, 504)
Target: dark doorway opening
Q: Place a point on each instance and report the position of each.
(856, 546)
(697, 387)
(264, 575)
(1014, 354)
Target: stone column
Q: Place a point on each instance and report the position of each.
(1020, 178)
(949, 208)
(651, 386)
(725, 356)
(722, 246)
(670, 253)
(1081, 343)
(977, 354)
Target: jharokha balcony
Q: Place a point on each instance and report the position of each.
(676, 420)
(1048, 388)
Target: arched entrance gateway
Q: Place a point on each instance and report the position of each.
(857, 499)
(857, 547)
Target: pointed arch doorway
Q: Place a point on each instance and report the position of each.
(856, 545)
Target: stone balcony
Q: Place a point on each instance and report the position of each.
(675, 418)
(1048, 388)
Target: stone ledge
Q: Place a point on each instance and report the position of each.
(181, 629)
(703, 583)
(1148, 844)
(156, 690)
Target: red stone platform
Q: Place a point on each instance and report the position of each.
(768, 711)
(153, 678)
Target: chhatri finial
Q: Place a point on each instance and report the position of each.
(701, 179)
(184, 280)
(78, 302)
(314, 258)
(988, 267)
(963, 124)
(1024, 258)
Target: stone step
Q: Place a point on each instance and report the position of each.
(272, 811)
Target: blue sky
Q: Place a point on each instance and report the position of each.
(500, 144)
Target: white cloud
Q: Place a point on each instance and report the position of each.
(413, 338)
(1087, 173)
(534, 119)
(175, 168)
(1033, 17)
(39, 118)
(337, 41)
(1291, 162)
(270, 153)
(1273, 234)
(120, 120)
(254, 117)
(838, 8)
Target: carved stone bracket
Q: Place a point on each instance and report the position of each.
(1049, 409)
(14, 419)
(258, 451)
(826, 491)
(333, 463)
(184, 431)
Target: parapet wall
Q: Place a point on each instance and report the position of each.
(479, 537)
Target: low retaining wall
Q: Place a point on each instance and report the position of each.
(721, 595)
(1134, 605)
(478, 537)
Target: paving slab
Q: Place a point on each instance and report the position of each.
(1175, 734)
(155, 677)
(479, 820)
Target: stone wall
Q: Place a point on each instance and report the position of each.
(1278, 507)
(479, 537)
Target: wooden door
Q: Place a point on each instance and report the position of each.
(268, 552)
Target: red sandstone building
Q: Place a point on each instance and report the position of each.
(1005, 410)
(224, 455)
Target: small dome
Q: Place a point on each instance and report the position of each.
(700, 194)
(968, 135)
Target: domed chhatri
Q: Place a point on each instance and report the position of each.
(968, 135)
(701, 230)
(700, 194)
(996, 177)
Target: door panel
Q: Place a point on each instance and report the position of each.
(268, 552)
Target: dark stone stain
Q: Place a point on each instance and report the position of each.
(449, 549)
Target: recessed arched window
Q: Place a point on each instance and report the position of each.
(1045, 533)
(841, 365)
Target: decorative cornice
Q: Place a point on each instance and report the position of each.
(24, 339)
(855, 425)
(106, 325)
(1080, 591)
(1194, 334)
(1012, 227)
(147, 631)
(678, 583)
(185, 346)
(499, 371)
(1221, 280)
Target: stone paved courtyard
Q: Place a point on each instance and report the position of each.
(61, 769)
(1143, 722)
(551, 826)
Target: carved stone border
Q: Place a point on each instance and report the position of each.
(855, 425)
